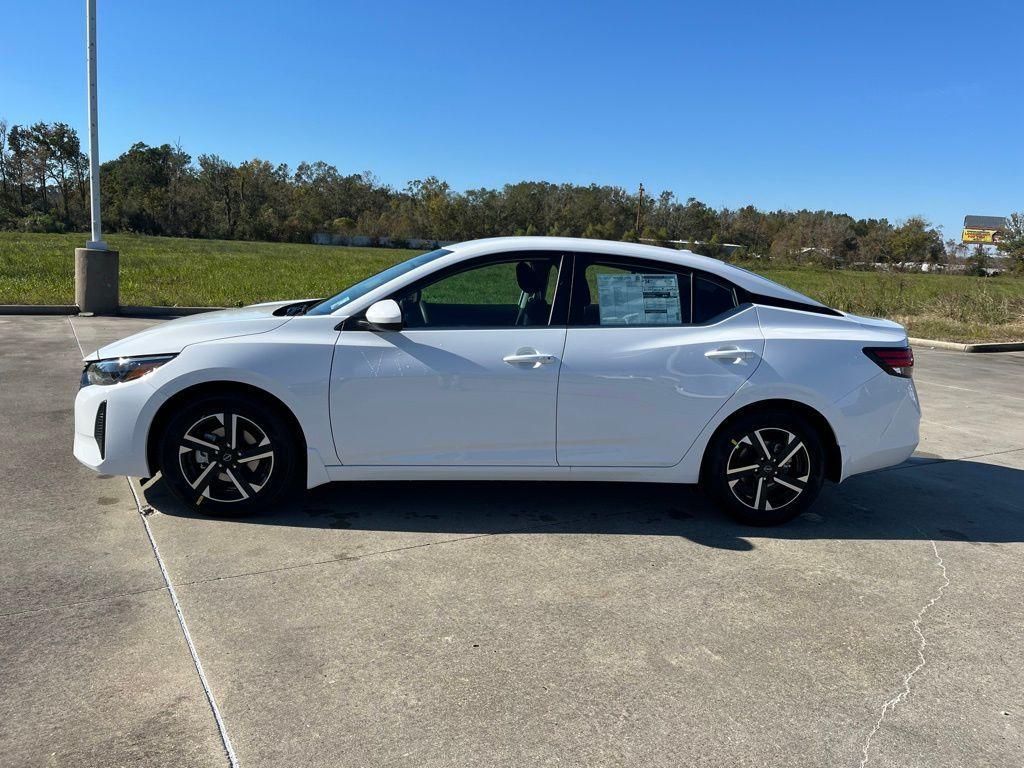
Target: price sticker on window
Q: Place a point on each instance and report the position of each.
(638, 299)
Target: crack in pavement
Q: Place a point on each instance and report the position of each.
(891, 704)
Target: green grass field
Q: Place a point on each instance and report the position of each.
(39, 269)
(169, 271)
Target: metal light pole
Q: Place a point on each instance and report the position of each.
(94, 135)
(96, 266)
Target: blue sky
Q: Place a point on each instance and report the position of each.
(879, 109)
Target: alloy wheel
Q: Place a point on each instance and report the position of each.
(226, 457)
(768, 468)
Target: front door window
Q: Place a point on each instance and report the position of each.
(511, 293)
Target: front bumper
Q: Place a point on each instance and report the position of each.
(124, 449)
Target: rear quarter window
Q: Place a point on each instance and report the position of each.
(711, 300)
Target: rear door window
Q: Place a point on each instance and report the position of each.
(616, 292)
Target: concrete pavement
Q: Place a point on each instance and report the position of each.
(94, 670)
(513, 624)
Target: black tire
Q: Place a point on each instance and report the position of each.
(202, 452)
(760, 489)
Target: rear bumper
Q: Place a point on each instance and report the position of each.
(881, 424)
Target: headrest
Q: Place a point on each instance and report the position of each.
(531, 280)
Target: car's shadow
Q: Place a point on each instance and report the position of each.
(957, 500)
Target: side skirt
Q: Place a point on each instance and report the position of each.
(525, 473)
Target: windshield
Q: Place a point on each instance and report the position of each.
(365, 286)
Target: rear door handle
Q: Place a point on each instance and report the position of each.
(529, 358)
(729, 353)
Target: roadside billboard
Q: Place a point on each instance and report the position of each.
(983, 229)
(981, 236)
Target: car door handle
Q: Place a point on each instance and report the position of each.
(532, 358)
(729, 353)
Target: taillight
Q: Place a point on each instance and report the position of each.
(897, 361)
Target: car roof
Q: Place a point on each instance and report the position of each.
(736, 275)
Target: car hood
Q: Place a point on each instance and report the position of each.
(173, 336)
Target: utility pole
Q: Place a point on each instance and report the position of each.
(96, 266)
(639, 207)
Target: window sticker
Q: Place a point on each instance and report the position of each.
(639, 299)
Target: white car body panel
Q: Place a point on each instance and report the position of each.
(292, 364)
(445, 397)
(175, 335)
(639, 396)
(629, 404)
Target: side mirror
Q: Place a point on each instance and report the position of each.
(384, 315)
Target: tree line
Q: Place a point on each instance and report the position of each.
(162, 190)
(43, 176)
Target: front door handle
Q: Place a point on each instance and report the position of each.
(534, 359)
(729, 353)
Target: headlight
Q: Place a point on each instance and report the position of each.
(121, 369)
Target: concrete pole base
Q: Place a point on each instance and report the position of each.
(96, 281)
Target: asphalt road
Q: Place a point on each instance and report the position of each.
(513, 624)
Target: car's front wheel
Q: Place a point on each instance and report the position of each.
(227, 455)
(765, 468)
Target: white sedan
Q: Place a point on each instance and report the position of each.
(526, 358)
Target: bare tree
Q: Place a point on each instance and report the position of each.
(80, 168)
(39, 160)
(17, 141)
(64, 148)
(3, 156)
(956, 252)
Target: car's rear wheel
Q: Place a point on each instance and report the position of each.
(766, 467)
(228, 455)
